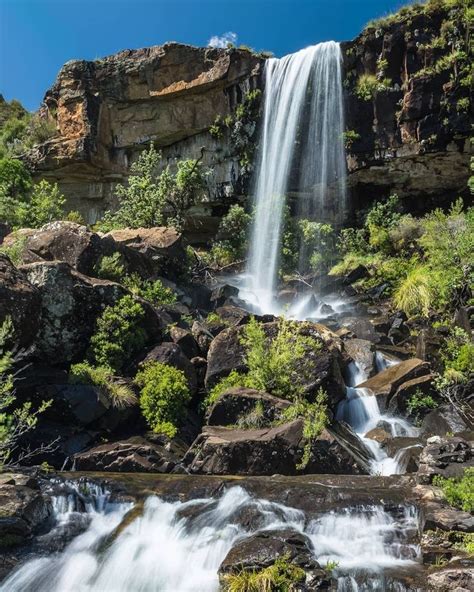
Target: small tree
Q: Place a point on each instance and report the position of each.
(46, 204)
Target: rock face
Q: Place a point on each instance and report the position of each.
(106, 110)
(448, 457)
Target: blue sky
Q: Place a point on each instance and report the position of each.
(38, 36)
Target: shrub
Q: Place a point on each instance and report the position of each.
(233, 231)
(14, 177)
(457, 354)
(418, 402)
(120, 395)
(317, 244)
(110, 267)
(368, 85)
(119, 335)
(150, 199)
(349, 137)
(414, 294)
(164, 394)
(279, 577)
(152, 290)
(458, 492)
(46, 204)
(14, 251)
(76, 217)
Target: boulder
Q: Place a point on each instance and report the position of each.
(261, 550)
(226, 353)
(69, 306)
(172, 355)
(161, 247)
(221, 294)
(361, 328)
(227, 451)
(457, 579)
(203, 336)
(362, 351)
(399, 402)
(133, 455)
(385, 383)
(23, 509)
(356, 274)
(448, 457)
(437, 516)
(443, 420)
(238, 402)
(20, 300)
(185, 339)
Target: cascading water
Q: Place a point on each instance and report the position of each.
(178, 547)
(301, 148)
(360, 409)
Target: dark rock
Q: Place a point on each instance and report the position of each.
(185, 339)
(20, 300)
(399, 330)
(448, 457)
(356, 274)
(443, 420)
(445, 518)
(386, 383)
(203, 336)
(238, 402)
(362, 352)
(171, 354)
(23, 509)
(407, 450)
(226, 353)
(221, 294)
(362, 328)
(133, 455)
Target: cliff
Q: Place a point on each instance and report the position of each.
(406, 82)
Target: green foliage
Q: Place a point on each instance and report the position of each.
(457, 354)
(14, 251)
(463, 105)
(120, 394)
(317, 243)
(150, 199)
(15, 179)
(152, 290)
(76, 217)
(315, 418)
(233, 234)
(254, 419)
(46, 204)
(458, 492)
(350, 137)
(15, 421)
(280, 366)
(119, 334)
(164, 394)
(110, 267)
(414, 293)
(279, 577)
(418, 402)
(368, 86)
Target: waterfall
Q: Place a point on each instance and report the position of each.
(301, 148)
(179, 546)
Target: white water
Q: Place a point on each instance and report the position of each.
(178, 547)
(360, 409)
(301, 147)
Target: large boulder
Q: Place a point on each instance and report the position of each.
(319, 369)
(70, 305)
(399, 402)
(23, 509)
(236, 403)
(385, 383)
(362, 351)
(458, 579)
(20, 300)
(133, 455)
(447, 457)
(161, 247)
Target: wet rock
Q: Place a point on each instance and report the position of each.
(172, 355)
(338, 451)
(379, 435)
(227, 451)
(399, 330)
(385, 383)
(362, 328)
(261, 550)
(362, 352)
(222, 294)
(406, 450)
(443, 420)
(448, 457)
(238, 402)
(23, 509)
(20, 300)
(457, 579)
(185, 339)
(203, 336)
(133, 455)
(356, 274)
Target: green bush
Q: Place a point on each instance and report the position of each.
(150, 199)
(164, 394)
(457, 354)
(282, 576)
(458, 492)
(418, 402)
(280, 366)
(414, 294)
(119, 394)
(110, 267)
(46, 204)
(350, 137)
(368, 86)
(152, 290)
(233, 235)
(119, 334)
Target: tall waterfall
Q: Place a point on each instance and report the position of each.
(302, 149)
